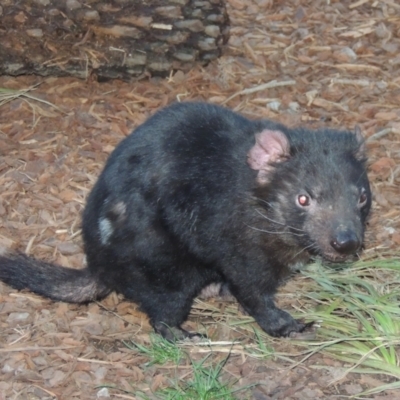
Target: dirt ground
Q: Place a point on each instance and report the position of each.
(331, 63)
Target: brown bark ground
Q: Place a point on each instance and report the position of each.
(335, 63)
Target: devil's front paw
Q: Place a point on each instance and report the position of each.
(307, 331)
(279, 323)
(175, 333)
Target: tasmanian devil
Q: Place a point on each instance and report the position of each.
(199, 195)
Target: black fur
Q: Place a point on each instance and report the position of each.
(199, 194)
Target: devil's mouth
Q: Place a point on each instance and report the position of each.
(333, 256)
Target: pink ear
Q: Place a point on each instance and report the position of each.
(270, 147)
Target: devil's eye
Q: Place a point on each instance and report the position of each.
(363, 198)
(303, 200)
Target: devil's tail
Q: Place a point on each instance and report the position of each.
(50, 280)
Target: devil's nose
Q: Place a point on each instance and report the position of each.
(346, 242)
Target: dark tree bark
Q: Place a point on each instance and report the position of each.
(112, 38)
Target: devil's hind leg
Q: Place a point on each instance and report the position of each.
(166, 307)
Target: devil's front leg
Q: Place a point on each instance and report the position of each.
(273, 320)
(255, 292)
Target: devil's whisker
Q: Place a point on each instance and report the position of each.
(277, 222)
(275, 232)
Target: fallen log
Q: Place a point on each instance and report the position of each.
(111, 38)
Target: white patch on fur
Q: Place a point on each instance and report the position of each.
(106, 230)
(119, 209)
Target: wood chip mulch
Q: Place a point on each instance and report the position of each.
(320, 63)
